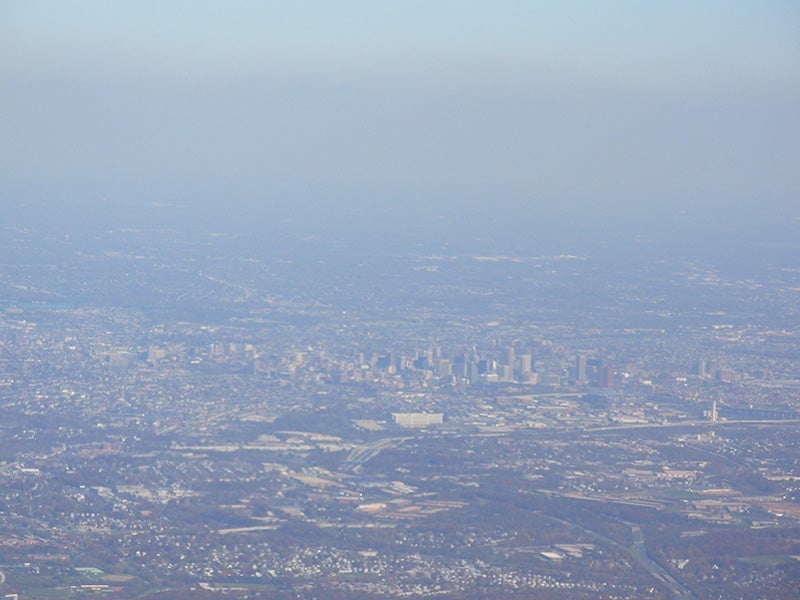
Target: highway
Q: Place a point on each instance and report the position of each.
(358, 456)
(638, 554)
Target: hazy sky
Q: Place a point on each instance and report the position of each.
(523, 104)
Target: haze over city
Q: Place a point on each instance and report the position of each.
(531, 106)
(403, 299)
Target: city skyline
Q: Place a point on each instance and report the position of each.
(377, 300)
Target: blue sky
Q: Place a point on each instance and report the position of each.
(631, 38)
(620, 104)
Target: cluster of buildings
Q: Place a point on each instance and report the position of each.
(240, 430)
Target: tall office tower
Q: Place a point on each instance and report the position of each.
(509, 357)
(473, 371)
(445, 368)
(700, 368)
(524, 364)
(580, 368)
(606, 376)
(461, 368)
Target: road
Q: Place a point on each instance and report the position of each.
(358, 456)
(639, 555)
